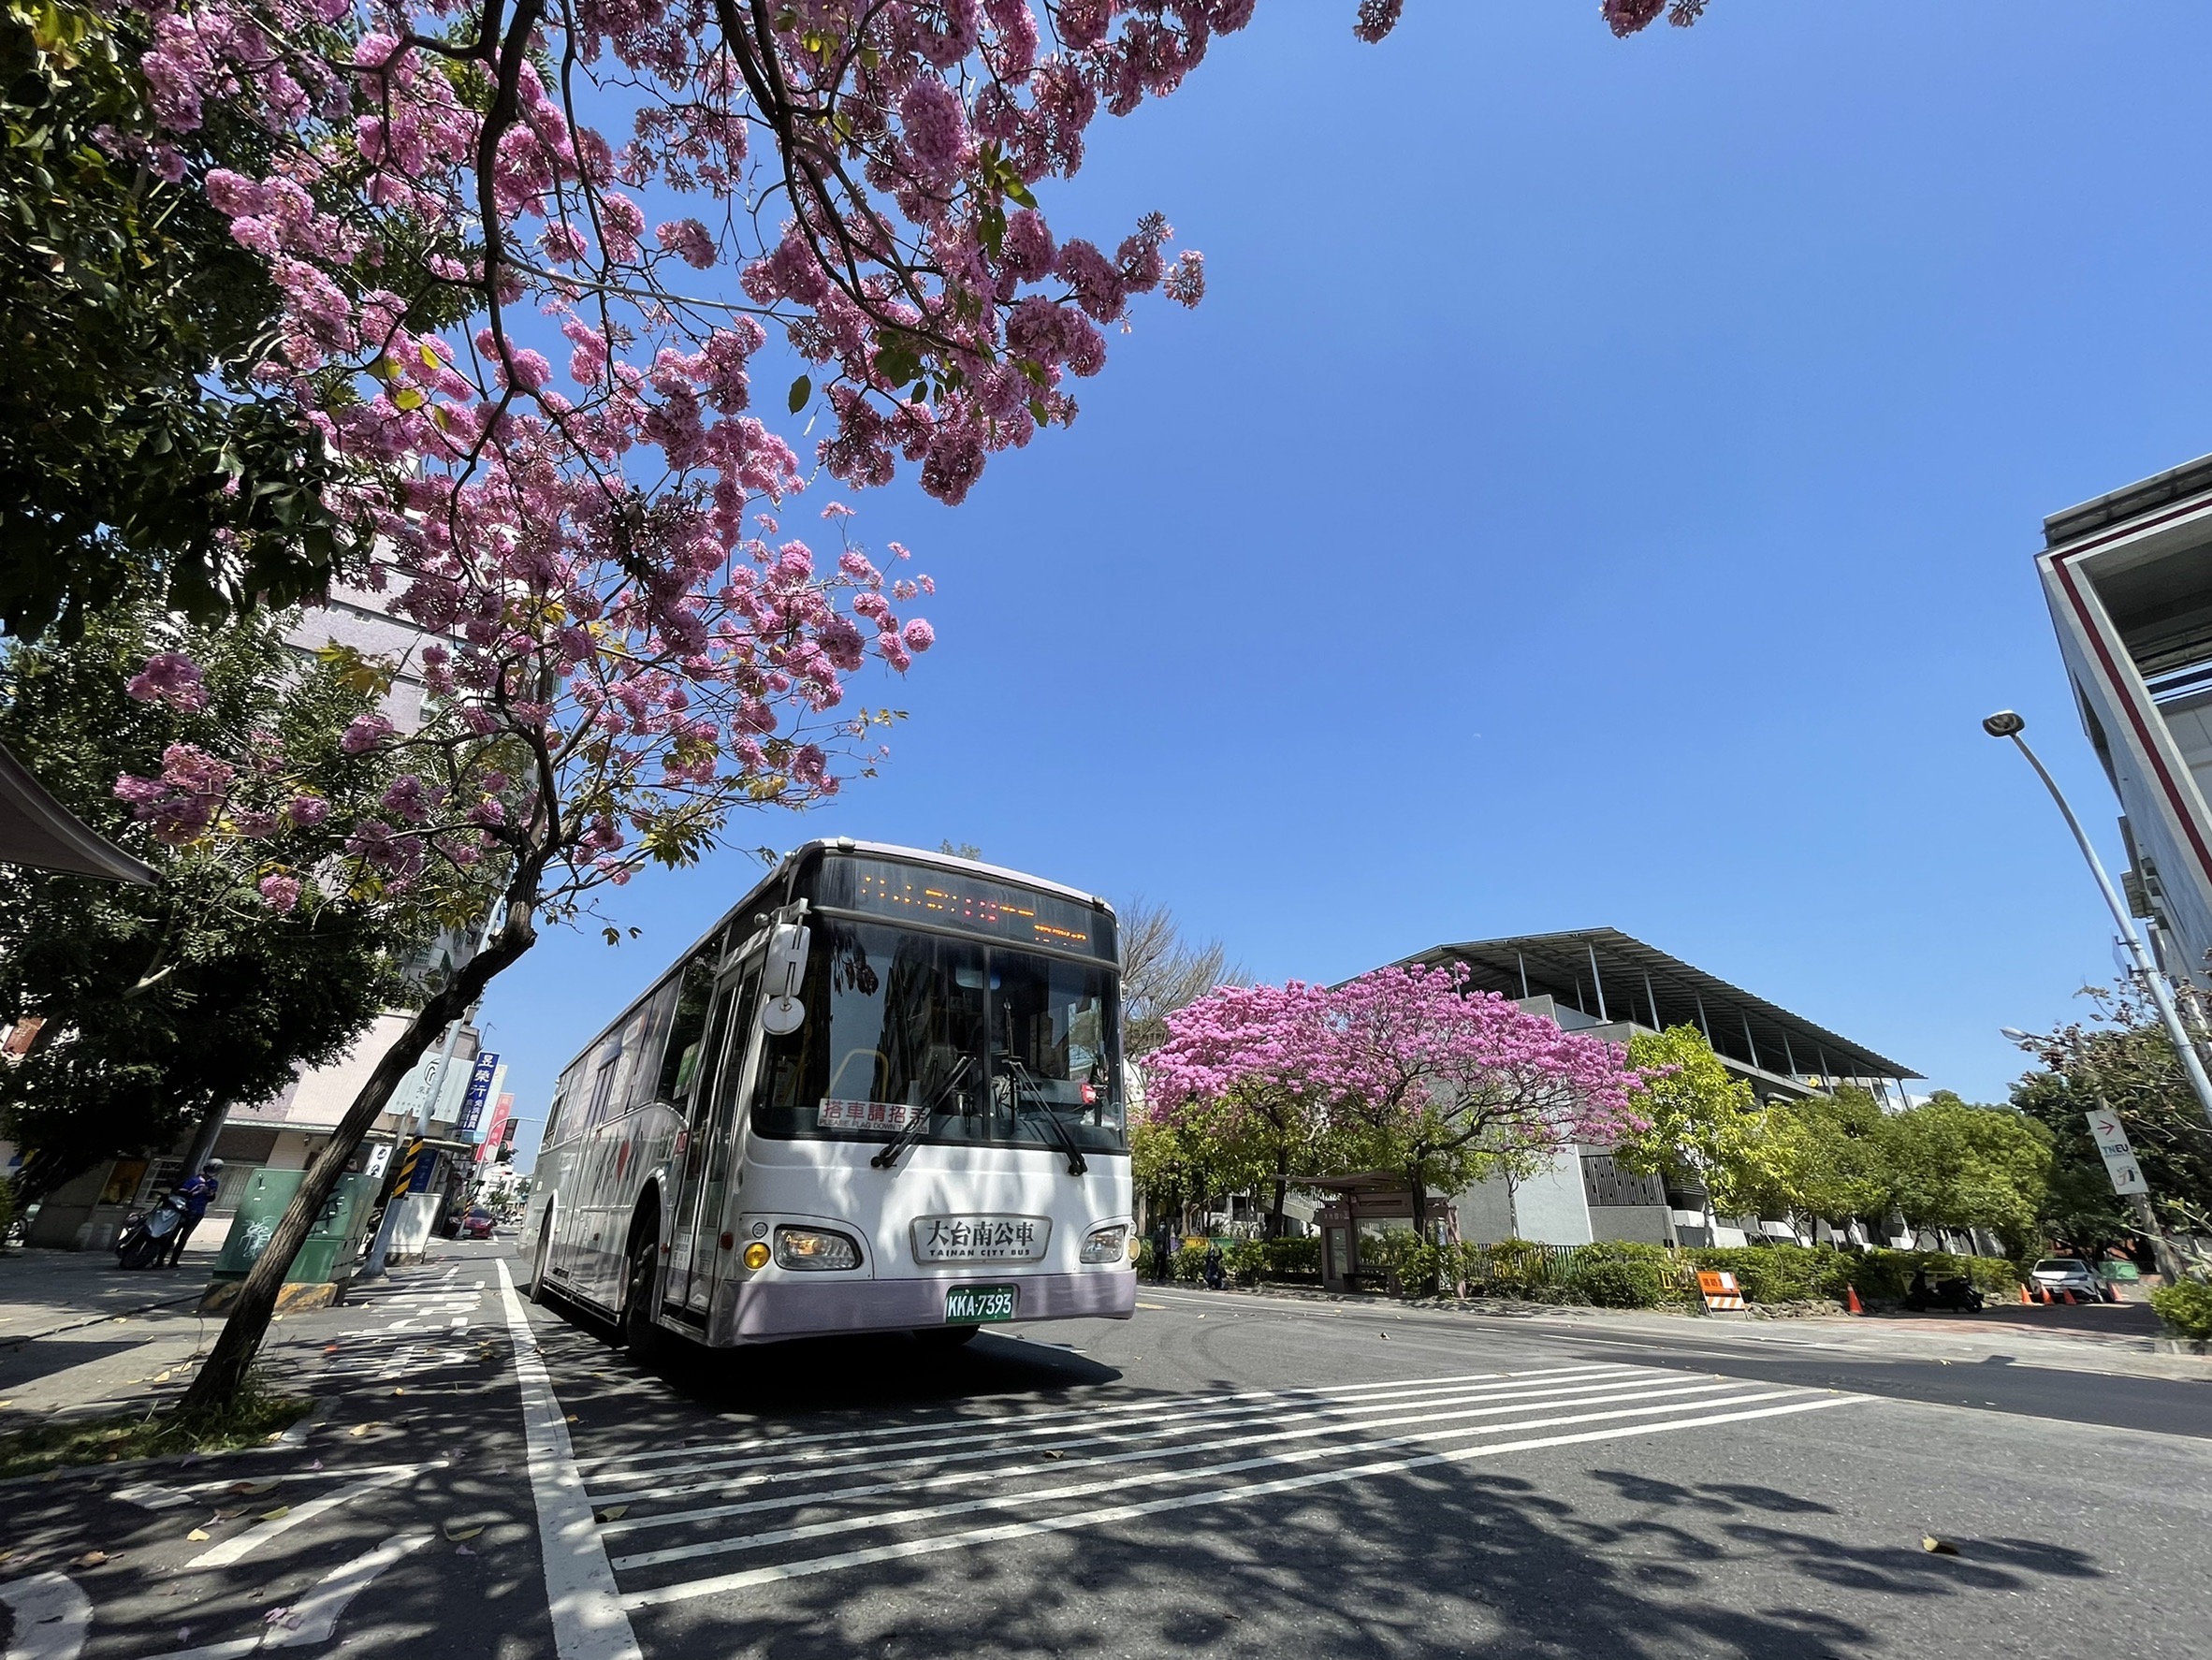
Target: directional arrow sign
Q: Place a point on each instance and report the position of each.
(2111, 1137)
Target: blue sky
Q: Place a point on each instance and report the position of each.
(1600, 488)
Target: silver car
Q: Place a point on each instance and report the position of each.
(2071, 1273)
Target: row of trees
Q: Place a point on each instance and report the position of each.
(1259, 1088)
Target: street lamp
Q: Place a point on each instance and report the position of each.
(2004, 723)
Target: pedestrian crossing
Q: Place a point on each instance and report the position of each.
(717, 1517)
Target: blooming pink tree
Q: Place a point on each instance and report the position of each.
(1452, 1085)
(1244, 1068)
(533, 254)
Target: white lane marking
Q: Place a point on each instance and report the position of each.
(1306, 1430)
(1341, 1416)
(992, 1444)
(870, 1521)
(589, 1620)
(936, 1425)
(51, 1616)
(723, 1584)
(237, 1549)
(317, 1611)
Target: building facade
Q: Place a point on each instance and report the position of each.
(2129, 580)
(1608, 985)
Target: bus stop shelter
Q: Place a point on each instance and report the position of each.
(1363, 1208)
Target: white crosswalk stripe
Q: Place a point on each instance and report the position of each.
(784, 1499)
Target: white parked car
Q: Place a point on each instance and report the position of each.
(2071, 1273)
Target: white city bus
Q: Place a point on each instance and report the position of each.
(883, 1093)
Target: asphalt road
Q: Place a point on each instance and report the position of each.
(1228, 1475)
(1221, 1476)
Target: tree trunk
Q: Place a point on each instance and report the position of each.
(1275, 1214)
(1421, 1201)
(224, 1373)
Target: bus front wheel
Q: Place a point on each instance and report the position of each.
(641, 1335)
(944, 1337)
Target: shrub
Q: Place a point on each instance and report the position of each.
(1618, 1282)
(1190, 1262)
(2186, 1307)
(1145, 1258)
(1287, 1258)
(1408, 1262)
(1778, 1273)
(1246, 1260)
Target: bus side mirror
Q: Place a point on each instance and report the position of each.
(782, 974)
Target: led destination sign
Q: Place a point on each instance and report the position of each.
(973, 905)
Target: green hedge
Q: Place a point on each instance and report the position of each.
(2186, 1307)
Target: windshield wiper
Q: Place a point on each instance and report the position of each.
(918, 1125)
(1021, 1074)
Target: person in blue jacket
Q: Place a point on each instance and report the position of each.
(195, 1193)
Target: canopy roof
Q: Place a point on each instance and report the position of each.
(38, 831)
(1608, 976)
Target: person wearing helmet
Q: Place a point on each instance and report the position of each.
(195, 1193)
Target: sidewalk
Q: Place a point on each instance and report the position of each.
(78, 1332)
(2118, 1338)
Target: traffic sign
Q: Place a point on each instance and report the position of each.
(2113, 1146)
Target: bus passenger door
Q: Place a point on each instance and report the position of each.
(709, 1154)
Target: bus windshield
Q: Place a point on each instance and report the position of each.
(980, 1039)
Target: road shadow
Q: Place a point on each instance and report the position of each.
(1451, 1561)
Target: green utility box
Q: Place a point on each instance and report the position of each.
(327, 1256)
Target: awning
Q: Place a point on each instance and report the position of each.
(37, 831)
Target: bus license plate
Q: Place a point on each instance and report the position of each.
(975, 1305)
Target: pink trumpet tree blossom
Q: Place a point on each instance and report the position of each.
(1456, 1083)
(1404, 1067)
(531, 257)
(1250, 1065)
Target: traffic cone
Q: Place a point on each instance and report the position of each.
(2024, 1298)
(1851, 1303)
(2068, 1295)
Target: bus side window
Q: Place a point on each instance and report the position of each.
(564, 1097)
(682, 1061)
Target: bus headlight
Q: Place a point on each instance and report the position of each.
(814, 1250)
(1107, 1243)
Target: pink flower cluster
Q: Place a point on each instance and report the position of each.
(1413, 1052)
(172, 678)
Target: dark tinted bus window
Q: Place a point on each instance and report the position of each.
(681, 1061)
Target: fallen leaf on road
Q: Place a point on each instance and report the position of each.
(360, 1428)
(316, 1465)
(1385, 1335)
(284, 1616)
(571, 1417)
(198, 1534)
(462, 1550)
(90, 1558)
(1940, 1547)
(159, 1377)
(457, 1533)
(279, 1511)
(400, 1390)
(1054, 1452)
(613, 1512)
(231, 1515)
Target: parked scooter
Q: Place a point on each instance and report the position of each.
(147, 1233)
(1955, 1291)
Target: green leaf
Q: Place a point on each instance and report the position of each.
(801, 389)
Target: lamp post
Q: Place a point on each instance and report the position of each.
(2004, 723)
